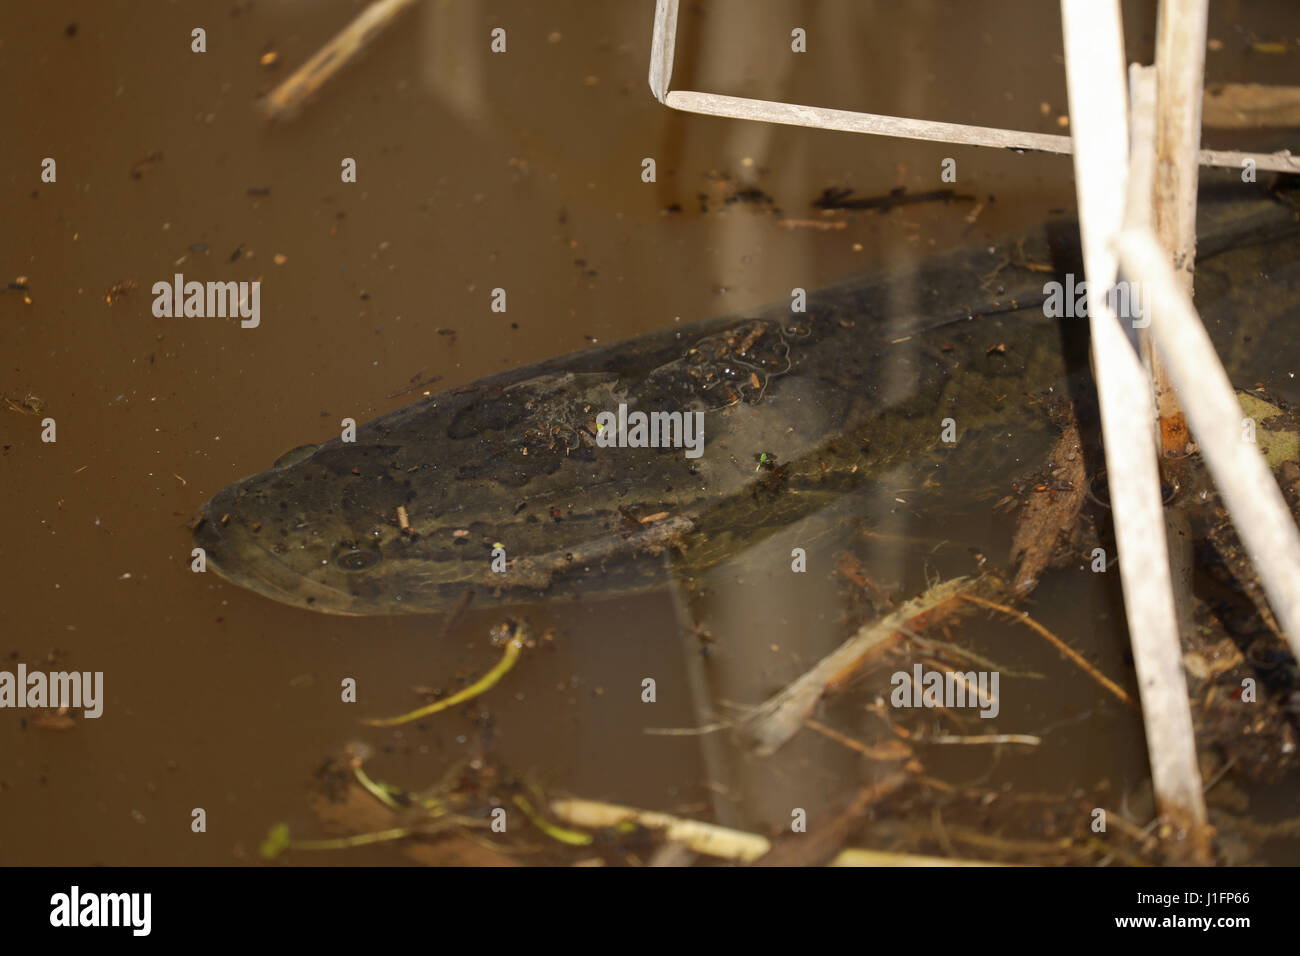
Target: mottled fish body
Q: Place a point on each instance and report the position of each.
(507, 487)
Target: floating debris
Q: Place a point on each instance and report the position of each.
(142, 166)
(118, 290)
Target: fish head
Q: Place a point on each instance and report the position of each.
(492, 488)
(317, 532)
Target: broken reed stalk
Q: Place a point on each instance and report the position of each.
(1180, 70)
(287, 98)
(1095, 80)
(712, 840)
(1254, 500)
(772, 723)
(1168, 425)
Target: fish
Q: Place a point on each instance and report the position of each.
(515, 488)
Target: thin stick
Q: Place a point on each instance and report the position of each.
(287, 98)
(710, 728)
(891, 749)
(1027, 739)
(818, 117)
(961, 652)
(1065, 649)
(1280, 162)
(824, 225)
(359, 839)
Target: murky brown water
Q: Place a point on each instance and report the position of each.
(475, 171)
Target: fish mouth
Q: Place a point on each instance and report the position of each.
(240, 560)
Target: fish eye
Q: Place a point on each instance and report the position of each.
(358, 560)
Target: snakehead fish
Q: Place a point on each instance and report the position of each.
(506, 489)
